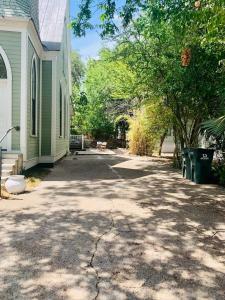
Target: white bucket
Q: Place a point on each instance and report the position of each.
(15, 184)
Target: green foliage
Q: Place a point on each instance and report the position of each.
(193, 93)
(139, 138)
(206, 21)
(148, 126)
(96, 123)
(109, 85)
(77, 69)
(215, 127)
(82, 22)
(78, 98)
(108, 79)
(80, 103)
(146, 64)
(218, 171)
(90, 119)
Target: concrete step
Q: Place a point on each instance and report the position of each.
(11, 163)
(10, 155)
(8, 161)
(7, 167)
(4, 179)
(6, 173)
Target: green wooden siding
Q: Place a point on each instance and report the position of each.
(32, 142)
(62, 76)
(11, 43)
(46, 108)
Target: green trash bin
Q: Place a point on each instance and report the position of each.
(186, 163)
(201, 163)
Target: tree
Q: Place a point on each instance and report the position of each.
(205, 16)
(77, 68)
(148, 128)
(78, 72)
(96, 122)
(193, 93)
(175, 49)
(108, 78)
(215, 127)
(109, 86)
(80, 103)
(78, 97)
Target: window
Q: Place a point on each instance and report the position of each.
(3, 71)
(60, 113)
(65, 118)
(34, 98)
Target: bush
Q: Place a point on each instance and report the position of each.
(218, 171)
(140, 142)
(148, 127)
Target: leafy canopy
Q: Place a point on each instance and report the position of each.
(109, 85)
(153, 47)
(77, 68)
(205, 16)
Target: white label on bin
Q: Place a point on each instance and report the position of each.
(204, 157)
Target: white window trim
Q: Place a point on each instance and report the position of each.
(64, 116)
(54, 125)
(68, 118)
(61, 126)
(24, 95)
(9, 103)
(34, 59)
(40, 108)
(4, 79)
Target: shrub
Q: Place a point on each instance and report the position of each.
(140, 142)
(147, 128)
(218, 170)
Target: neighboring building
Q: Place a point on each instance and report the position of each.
(168, 144)
(35, 80)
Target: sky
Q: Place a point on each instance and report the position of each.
(88, 46)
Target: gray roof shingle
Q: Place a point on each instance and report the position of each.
(47, 15)
(20, 8)
(11, 8)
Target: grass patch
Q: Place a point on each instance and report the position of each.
(35, 175)
(4, 193)
(33, 178)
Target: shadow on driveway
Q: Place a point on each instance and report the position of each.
(115, 228)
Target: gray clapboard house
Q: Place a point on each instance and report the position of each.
(35, 81)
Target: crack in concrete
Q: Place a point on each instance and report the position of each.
(91, 263)
(111, 226)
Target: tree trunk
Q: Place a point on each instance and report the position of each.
(176, 153)
(194, 134)
(162, 141)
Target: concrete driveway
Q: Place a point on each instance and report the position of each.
(113, 228)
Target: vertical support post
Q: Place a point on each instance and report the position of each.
(82, 142)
